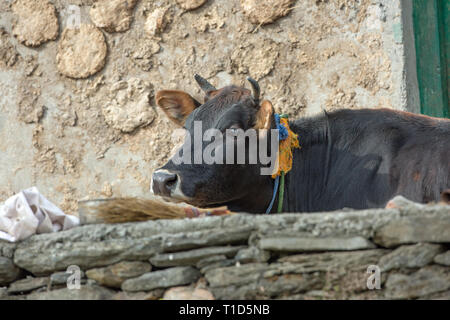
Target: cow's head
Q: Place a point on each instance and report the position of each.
(230, 111)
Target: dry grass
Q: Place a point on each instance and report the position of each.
(120, 210)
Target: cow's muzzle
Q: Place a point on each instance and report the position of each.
(164, 182)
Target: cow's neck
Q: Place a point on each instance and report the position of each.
(257, 200)
(307, 184)
(308, 179)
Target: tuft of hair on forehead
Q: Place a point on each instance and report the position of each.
(229, 95)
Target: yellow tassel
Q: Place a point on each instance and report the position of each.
(285, 150)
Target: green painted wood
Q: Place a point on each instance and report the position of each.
(431, 31)
(445, 11)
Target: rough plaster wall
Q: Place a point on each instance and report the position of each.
(325, 54)
(411, 85)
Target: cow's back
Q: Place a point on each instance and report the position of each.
(363, 158)
(422, 164)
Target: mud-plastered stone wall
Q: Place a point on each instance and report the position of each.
(396, 253)
(78, 78)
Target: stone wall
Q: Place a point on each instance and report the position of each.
(285, 256)
(77, 111)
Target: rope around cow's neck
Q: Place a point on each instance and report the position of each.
(288, 141)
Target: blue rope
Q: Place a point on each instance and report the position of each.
(275, 188)
(282, 135)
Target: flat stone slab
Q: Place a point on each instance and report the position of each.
(62, 277)
(143, 295)
(167, 278)
(357, 260)
(7, 249)
(191, 257)
(252, 254)
(213, 237)
(443, 259)
(43, 258)
(428, 280)
(86, 292)
(3, 293)
(28, 284)
(412, 256)
(292, 244)
(187, 293)
(8, 271)
(413, 230)
(116, 274)
(259, 280)
(236, 275)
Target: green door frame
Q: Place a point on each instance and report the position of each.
(431, 20)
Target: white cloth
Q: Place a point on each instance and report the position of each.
(29, 212)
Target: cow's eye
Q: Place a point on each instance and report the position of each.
(234, 129)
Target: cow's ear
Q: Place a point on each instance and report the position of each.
(264, 115)
(176, 104)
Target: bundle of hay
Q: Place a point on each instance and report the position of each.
(120, 210)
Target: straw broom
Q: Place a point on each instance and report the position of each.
(120, 210)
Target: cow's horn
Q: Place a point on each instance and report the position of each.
(204, 84)
(255, 88)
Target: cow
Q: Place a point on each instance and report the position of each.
(349, 158)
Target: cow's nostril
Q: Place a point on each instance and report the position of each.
(163, 182)
(171, 181)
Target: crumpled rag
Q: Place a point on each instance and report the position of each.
(28, 213)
